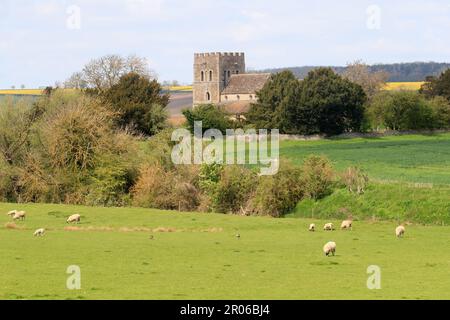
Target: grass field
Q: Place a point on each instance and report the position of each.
(202, 258)
(408, 158)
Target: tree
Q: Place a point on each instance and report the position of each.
(76, 81)
(277, 100)
(372, 82)
(330, 104)
(139, 103)
(437, 86)
(402, 110)
(212, 117)
(102, 73)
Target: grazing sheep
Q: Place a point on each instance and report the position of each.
(329, 248)
(328, 227)
(312, 227)
(74, 218)
(347, 224)
(39, 232)
(19, 215)
(12, 213)
(400, 231)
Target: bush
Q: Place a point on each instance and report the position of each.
(401, 110)
(234, 189)
(279, 194)
(166, 189)
(213, 117)
(317, 177)
(355, 180)
(139, 104)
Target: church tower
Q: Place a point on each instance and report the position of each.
(212, 72)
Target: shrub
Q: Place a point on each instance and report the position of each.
(317, 177)
(166, 189)
(277, 195)
(233, 190)
(355, 180)
(212, 117)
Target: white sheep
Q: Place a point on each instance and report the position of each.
(400, 231)
(19, 215)
(39, 232)
(329, 248)
(347, 224)
(74, 218)
(12, 213)
(328, 227)
(312, 227)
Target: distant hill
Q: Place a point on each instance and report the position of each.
(399, 72)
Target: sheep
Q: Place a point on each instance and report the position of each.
(39, 232)
(347, 224)
(74, 218)
(11, 213)
(19, 215)
(329, 248)
(400, 231)
(312, 227)
(328, 227)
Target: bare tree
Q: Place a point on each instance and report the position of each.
(104, 72)
(76, 81)
(372, 82)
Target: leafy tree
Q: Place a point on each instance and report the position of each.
(139, 103)
(212, 117)
(437, 86)
(402, 110)
(277, 103)
(329, 104)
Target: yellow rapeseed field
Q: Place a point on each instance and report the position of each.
(412, 86)
(22, 92)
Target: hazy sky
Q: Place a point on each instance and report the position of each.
(43, 41)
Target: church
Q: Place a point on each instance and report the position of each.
(220, 78)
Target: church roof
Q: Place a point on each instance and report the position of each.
(248, 83)
(237, 107)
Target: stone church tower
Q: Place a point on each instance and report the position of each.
(212, 73)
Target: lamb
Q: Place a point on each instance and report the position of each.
(328, 227)
(39, 232)
(312, 227)
(19, 215)
(329, 248)
(347, 224)
(400, 231)
(74, 218)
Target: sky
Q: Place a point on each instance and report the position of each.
(44, 41)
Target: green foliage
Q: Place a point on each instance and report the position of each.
(212, 117)
(437, 86)
(278, 194)
(139, 104)
(233, 190)
(317, 177)
(405, 110)
(323, 102)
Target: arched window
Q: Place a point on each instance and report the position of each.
(226, 98)
(210, 75)
(238, 97)
(229, 73)
(237, 71)
(251, 97)
(203, 76)
(208, 96)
